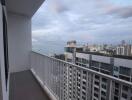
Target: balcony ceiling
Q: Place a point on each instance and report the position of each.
(23, 7)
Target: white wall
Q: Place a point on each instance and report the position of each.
(123, 62)
(69, 55)
(19, 30)
(83, 55)
(101, 58)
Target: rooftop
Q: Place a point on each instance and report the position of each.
(101, 54)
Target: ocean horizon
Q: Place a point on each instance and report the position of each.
(49, 48)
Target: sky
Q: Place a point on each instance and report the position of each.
(90, 21)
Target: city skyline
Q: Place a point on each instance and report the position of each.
(57, 47)
(98, 21)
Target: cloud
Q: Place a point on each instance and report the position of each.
(123, 12)
(113, 8)
(34, 40)
(57, 6)
(87, 20)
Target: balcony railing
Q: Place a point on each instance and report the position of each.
(67, 81)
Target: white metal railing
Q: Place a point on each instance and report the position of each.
(63, 79)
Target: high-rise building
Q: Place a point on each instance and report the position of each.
(120, 50)
(88, 86)
(124, 50)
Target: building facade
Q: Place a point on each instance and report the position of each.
(89, 86)
(124, 50)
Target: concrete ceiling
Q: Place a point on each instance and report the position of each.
(23, 7)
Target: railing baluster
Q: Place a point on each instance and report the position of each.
(63, 79)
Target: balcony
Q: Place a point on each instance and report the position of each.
(23, 86)
(53, 79)
(34, 76)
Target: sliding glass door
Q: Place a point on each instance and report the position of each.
(5, 40)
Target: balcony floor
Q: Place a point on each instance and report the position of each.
(23, 86)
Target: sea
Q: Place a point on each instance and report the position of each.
(49, 47)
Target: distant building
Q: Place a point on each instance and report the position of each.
(60, 56)
(71, 43)
(72, 48)
(120, 50)
(115, 66)
(125, 50)
(123, 42)
(70, 51)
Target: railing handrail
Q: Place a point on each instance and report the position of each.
(87, 69)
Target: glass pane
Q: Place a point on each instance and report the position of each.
(0, 85)
(125, 71)
(5, 44)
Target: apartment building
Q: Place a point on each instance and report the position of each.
(98, 86)
(70, 51)
(124, 50)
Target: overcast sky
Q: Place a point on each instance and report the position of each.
(95, 21)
